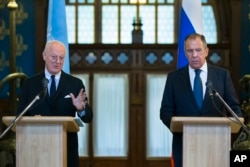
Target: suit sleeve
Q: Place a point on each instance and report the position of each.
(88, 116)
(167, 104)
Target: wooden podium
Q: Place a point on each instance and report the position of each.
(206, 140)
(41, 141)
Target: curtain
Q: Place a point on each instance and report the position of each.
(110, 124)
(83, 132)
(159, 137)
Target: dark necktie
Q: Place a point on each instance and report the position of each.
(198, 91)
(52, 86)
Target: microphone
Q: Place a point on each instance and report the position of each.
(45, 86)
(213, 92)
(209, 85)
(36, 98)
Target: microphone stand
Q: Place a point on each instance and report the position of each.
(231, 111)
(19, 116)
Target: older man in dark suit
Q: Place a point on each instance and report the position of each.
(179, 98)
(66, 97)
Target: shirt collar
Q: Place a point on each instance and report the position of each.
(48, 75)
(203, 67)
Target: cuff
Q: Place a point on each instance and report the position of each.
(81, 113)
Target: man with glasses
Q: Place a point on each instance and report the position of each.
(185, 92)
(66, 95)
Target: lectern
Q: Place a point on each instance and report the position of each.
(41, 141)
(206, 140)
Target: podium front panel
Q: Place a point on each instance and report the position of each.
(41, 145)
(206, 145)
(41, 141)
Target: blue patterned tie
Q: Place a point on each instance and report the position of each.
(198, 91)
(52, 86)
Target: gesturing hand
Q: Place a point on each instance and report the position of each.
(80, 101)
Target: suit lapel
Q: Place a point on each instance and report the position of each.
(186, 81)
(61, 83)
(210, 77)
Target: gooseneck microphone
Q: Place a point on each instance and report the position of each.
(213, 92)
(45, 86)
(37, 97)
(209, 85)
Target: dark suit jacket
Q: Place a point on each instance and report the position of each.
(178, 100)
(58, 106)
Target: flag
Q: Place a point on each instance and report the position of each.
(57, 27)
(190, 22)
(172, 161)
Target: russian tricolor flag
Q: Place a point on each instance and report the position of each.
(190, 22)
(57, 27)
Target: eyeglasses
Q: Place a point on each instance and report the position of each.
(192, 51)
(55, 58)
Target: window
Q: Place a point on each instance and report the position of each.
(110, 124)
(110, 21)
(83, 132)
(159, 138)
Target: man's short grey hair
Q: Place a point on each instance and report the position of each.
(51, 42)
